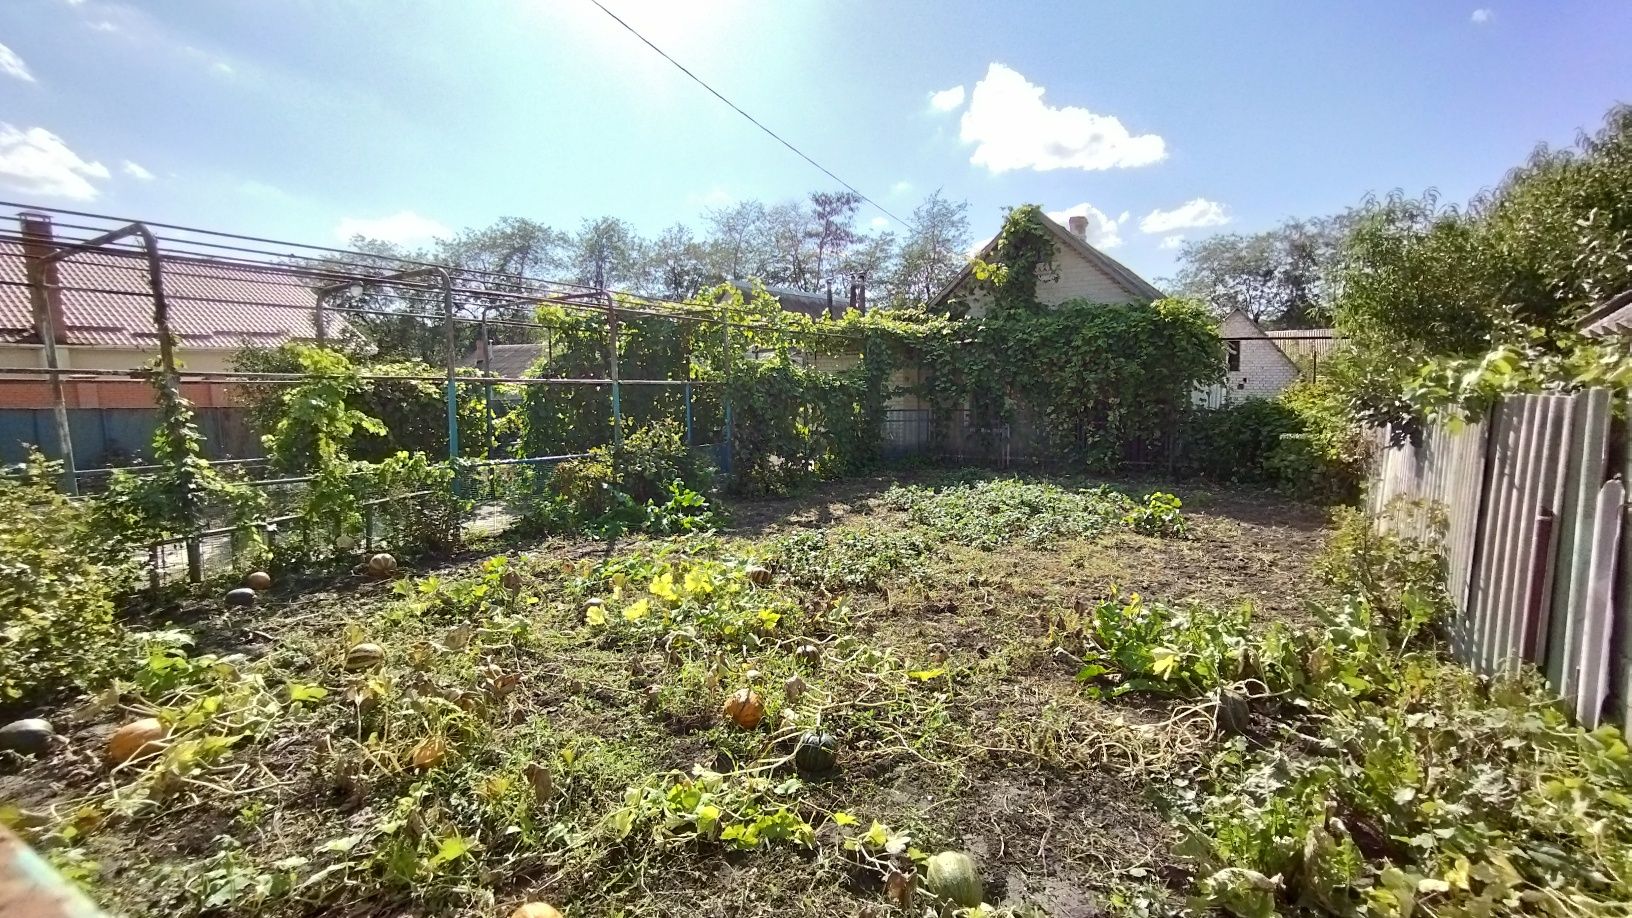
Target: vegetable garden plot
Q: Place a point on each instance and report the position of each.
(773, 719)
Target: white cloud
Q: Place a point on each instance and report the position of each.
(36, 161)
(1482, 15)
(12, 65)
(1012, 128)
(1103, 231)
(403, 227)
(104, 25)
(1171, 242)
(901, 187)
(947, 100)
(1189, 215)
(136, 171)
(878, 222)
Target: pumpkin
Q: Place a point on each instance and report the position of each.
(536, 910)
(759, 575)
(1234, 715)
(794, 688)
(243, 596)
(259, 581)
(364, 656)
(817, 753)
(511, 581)
(28, 737)
(135, 740)
(745, 708)
(953, 876)
(429, 752)
(808, 653)
(382, 565)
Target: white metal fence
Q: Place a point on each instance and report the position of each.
(1533, 500)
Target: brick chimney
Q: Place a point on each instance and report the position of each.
(1079, 227)
(37, 243)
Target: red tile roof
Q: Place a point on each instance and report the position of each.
(107, 302)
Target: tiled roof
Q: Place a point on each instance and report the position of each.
(510, 361)
(108, 303)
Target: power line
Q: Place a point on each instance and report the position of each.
(755, 121)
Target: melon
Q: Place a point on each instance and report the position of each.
(243, 596)
(136, 740)
(759, 575)
(260, 581)
(536, 910)
(364, 656)
(382, 565)
(817, 753)
(794, 688)
(953, 876)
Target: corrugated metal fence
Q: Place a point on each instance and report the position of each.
(1530, 508)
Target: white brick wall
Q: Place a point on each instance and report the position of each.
(1078, 280)
(1264, 368)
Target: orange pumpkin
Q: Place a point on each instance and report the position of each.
(536, 910)
(259, 581)
(135, 740)
(745, 708)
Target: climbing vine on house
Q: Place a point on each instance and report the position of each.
(1092, 376)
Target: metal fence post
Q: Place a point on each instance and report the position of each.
(725, 393)
(612, 371)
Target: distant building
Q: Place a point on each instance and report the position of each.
(1259, 364)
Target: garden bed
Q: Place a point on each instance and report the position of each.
(546, 721)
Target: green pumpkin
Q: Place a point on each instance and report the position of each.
(953, 876)
(817, 753)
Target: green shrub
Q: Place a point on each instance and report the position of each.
(1235, 443)
(57, 578)
(655, 484)
(1304, 442)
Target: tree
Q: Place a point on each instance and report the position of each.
(832, 230)
(788, 260)
(607, 254)
(1281, 276)
(679, 264)
(736, 239)
(934, 251)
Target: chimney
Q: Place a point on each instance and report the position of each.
(861, 294)
(38, 243)
(1079, 227)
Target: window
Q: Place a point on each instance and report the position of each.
(1232, 356)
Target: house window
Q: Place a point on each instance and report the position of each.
(1232, 356)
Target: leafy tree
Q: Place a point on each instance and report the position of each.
(736, 239)
(679, 264)
(832, 230)
(1281, 276)
(608, 254)
(934, 250)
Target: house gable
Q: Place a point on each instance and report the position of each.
(1255, 366)
(1084, 273)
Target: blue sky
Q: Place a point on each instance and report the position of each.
(305, 119)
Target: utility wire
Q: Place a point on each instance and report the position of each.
(755, 121)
